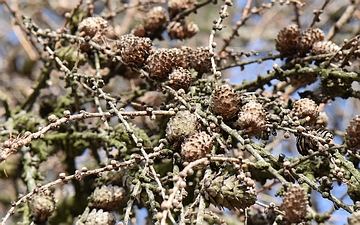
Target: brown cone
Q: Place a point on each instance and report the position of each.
(224, 101)
(195, 147)
(287, 39)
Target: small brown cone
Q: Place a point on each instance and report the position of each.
(306, 109)
(162, 62)
(134, 50)
(176, 6)
(95, 28)
(195, 147)
(92, 26)
(252, 117)
(306, 143)
(323, 47)
(352, 135)
(294, 204)
(139, 31)
(155, 20)
(224, 101)
(287, 39)
(200, 60)
(180, 78)
(308, 38)
(182, 30)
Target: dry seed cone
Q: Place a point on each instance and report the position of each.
(180, 78)
(308, 38)
(252, 117)
(200, 60)
(176, 6)
(294, 204)
(134, 50)
(352, 135)
(155, 20)
(92, 26)
(287, 39)
(182, 30)
(162, 62)
(322, 47)
(196, 146)
(306, 108)
(224, 101)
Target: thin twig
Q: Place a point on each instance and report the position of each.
(350, 10)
